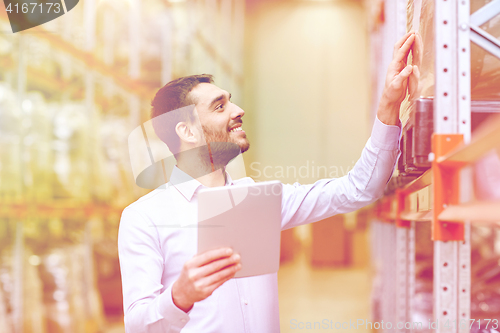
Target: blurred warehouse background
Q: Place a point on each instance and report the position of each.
(74, 88)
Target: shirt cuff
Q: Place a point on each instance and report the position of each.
(384, 136)
(169, 310)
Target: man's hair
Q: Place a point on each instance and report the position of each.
(173, 96)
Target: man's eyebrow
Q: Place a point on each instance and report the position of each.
(217, 99)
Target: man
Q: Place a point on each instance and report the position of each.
(167, 286)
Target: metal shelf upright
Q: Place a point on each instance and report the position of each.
(449, 204)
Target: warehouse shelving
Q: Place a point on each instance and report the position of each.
(443, 194)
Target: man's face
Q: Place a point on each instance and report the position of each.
(219, 117)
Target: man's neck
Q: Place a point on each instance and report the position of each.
(216, 178)
(212, 179)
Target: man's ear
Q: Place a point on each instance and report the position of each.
(187, 132)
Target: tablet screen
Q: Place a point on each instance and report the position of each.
(246, 218)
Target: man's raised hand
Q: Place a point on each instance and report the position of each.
(396, 82)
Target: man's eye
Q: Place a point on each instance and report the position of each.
(219, 107)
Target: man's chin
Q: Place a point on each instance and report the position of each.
(244, 146)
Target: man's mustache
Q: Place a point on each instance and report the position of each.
(240, 122)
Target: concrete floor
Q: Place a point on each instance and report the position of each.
(326, 296)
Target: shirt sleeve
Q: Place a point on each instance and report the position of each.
(364, 184)
(146, 308)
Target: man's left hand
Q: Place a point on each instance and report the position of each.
(396, 83)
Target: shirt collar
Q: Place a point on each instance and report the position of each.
(187, 185)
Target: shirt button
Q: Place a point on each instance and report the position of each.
(246, 302)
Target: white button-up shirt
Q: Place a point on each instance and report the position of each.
(158, 234)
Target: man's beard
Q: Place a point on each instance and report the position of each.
(222, 148)
(213, 136)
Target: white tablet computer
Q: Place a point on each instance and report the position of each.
(246, 218)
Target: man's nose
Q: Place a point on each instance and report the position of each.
(236, 112)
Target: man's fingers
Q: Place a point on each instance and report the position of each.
(219, 283)
(395, 67)
(225, 274)
(400, 42)
(398, 62)
(405, 73)
(403, 51)
(215, 266)
(416, 71)
(211, 288)
(413, 82)
(403, 39)
(401, 77)
(204, 287)
(417, 50)
(209, 256)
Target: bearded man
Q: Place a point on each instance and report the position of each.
(167, 286)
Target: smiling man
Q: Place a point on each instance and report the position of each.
(167, 286)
